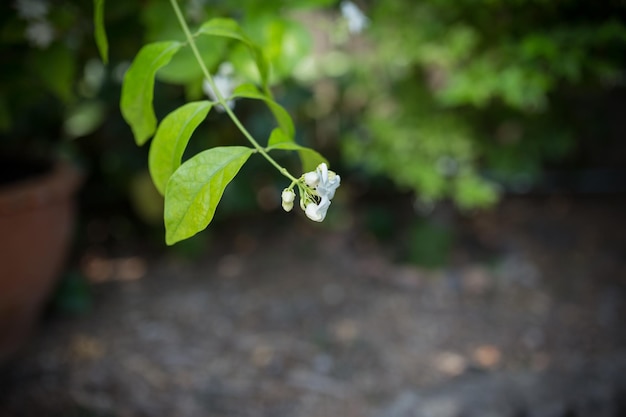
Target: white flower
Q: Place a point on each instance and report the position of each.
(357, 21)
(311, 179)
(288, 197)
(224, 83)
(32, 9)
(322, 183)
(328, 182)
(40, 34)
(317, 212)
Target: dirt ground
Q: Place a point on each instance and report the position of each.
(302, 321)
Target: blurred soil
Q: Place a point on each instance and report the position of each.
(302, 321)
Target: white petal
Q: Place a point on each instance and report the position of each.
(329, 182)
(313, 213)
(317, 212)
(288, 196)
(224, 83)
(208, 90)
(322, 171)
(311, 179)
(287, 206)
(328, 189)
(357, 21)
(226, 68)
(40, 33)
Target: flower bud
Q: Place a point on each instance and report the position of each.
(287, 206)
(288, 196)
(311, 179)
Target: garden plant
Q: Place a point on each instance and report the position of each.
(451, 100)
(193, 188)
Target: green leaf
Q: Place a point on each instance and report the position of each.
(138, 88)
(99, 30)
(170, 141)
(285, 43)
(282, 116)
(196, 187)
(471, 191)
(228, 28)
(310, 159)
(278, 136)
(84, 118)
(184, 69)
(313, 3)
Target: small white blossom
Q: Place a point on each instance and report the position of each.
(311, 179)
(40, 33)
(328, 182)
(317, 212)
(225, 84)
(357, 21)
(288, 197)
(322, 184)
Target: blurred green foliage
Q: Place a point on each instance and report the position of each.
(451, 99)
(461, 94)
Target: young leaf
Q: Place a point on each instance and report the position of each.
(228, 28)
(138, 88)
(171, 138)
(278, 136)
(282, 116)
(99, 30)
(196, 187)
(310, 159)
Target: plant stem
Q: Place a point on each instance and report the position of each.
(218, 94)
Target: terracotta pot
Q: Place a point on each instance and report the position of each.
(36, 221)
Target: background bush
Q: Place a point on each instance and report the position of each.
(464, 97)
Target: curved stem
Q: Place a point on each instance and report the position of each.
(218, 94)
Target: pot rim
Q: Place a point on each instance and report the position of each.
(59, 184)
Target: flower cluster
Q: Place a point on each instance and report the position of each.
(225, 84)
(316, 188)
(39, 30)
